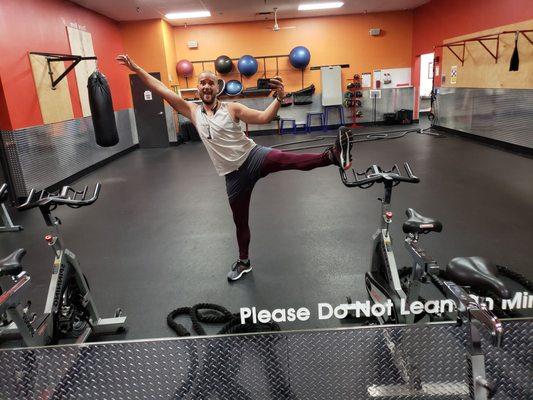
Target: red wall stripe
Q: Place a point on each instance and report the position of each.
(40, 25)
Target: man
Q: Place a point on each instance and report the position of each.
(236, 156)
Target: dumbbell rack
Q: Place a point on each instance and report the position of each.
(352, 99)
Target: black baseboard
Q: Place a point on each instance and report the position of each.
(527, 151)
(265, 132)
(329, 127)
(83, 172)
(382, 123)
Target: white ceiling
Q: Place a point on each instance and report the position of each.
(234, 10)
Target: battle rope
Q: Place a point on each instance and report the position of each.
(515, 276)
(222, 362)
(214, 314)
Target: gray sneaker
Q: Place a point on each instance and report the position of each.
(342, 150)
(238, 269)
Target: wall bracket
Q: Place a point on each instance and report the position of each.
(53, 57)
(481, 40)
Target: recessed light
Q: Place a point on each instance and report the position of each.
(187, 15)
(320, 6)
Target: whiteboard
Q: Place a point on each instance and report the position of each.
(81, 44)
(331, 86)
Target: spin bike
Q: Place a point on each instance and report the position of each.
(70, 310)
(385, 283)
(7, 223)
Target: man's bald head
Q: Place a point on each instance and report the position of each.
(206, 74)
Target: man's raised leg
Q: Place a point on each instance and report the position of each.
(339, 154)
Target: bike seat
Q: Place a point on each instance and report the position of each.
(417, 223)
(478, 273)
(11, 265)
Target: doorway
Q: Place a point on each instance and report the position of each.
(426, 81)
(149, 114)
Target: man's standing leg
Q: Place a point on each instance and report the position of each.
(240, 207)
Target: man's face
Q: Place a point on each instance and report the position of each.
(207, 88)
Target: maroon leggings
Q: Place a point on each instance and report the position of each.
(274, 161)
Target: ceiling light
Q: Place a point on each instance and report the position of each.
(187, 15)
(320, 6)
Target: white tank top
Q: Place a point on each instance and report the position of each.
(226, 143)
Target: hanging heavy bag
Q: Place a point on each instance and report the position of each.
(515, 61)
(105, 126)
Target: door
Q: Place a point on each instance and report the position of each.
(149, 114)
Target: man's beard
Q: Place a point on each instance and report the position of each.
(213, 99)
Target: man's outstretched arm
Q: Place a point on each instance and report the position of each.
(176, 102)
(251, 116)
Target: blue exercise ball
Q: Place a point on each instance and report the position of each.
(299, 57)
(233, 87)
(247, 65)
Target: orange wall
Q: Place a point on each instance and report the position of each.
(170, 52)
(331, 40)
(40, 25)
(143, 41)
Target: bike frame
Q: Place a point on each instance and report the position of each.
(65, 268)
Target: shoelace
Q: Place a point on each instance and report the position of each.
(347, 137)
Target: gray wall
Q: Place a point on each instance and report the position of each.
(169, 119)
(500, 114)
(44, 155)
(391, 100)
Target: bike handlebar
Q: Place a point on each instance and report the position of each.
(374, 174)
(66, 196)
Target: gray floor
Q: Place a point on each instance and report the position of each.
(161, 235)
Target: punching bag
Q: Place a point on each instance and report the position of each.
(105, 126)
(515, 60)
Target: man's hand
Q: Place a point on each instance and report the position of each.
(124, 59)
(276, 84)
(250, 116)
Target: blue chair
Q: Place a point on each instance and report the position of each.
(302, 125)
(327, 110)
(310, 115)
(289, 121)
